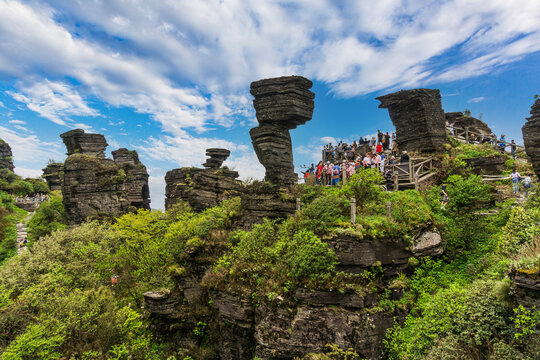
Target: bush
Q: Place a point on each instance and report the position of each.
(323, 212)
(522, 226)
(50, 216)
(364, 186)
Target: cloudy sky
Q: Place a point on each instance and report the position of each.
(170, 78)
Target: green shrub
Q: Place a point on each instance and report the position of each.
(364, 186)
(323, 212)
(522, 226)
(50, 216)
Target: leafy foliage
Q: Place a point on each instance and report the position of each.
(50, 216)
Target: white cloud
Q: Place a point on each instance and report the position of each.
(476, 99)
(157, 191)
(18, 122)
(53, 100)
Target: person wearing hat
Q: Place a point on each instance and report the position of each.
(404, 158)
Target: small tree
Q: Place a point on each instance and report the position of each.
(364, 186)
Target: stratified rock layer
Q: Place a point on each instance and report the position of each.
(216, 157)
(281, 104)
(202, 188)
(53, 173)
(531, 136)
(137, 186)
(79, 142)
(94, 186)
(418, 117)
(6, 161)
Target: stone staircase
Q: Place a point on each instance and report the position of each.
(22, 234)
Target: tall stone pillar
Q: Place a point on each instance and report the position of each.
(531, 136)
(281, 104)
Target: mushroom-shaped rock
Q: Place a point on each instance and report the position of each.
(281, 104)
(531, 136)
(159, 302)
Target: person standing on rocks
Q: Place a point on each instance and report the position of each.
(527, 184)
(515, 180)
(445, 199)
(513, 148)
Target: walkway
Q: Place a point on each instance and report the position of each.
(22, 233)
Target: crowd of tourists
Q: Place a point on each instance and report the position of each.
(37, 198)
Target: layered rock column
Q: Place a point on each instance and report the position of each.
(418, 117)
(95, 186)
(531, 136)
(137, 186)
(6, 156)
(53, 173)
(281, 104)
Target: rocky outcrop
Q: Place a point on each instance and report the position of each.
(159, 302)
(202, 188)
(526, 287)
(267, 202)
(418, 117)
(6, 156)
(138, 192)
(53, 174)
(488, 165)
(357, 254)
(79, 142)
(94, 186)
(474, 125)
(281, 104)
(531, 136)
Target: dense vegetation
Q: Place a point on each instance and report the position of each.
(56, 300)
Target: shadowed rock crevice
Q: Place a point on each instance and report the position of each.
(418, 117)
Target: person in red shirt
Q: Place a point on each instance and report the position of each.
(379, 148)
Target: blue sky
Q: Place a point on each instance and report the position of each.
(171, 78)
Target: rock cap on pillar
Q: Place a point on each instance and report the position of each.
(284, 101)
(216, 157)
(78, 142)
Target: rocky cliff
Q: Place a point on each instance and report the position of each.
(418, 117)
(6, 156)
(474, 125)
(202, 188)
(531, 136)
(95, 186)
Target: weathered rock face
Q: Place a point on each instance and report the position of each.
(216, 157)
(526, 286)
(281, 104)
(53, 173)
(202, 188)
(531, 136)
(6, 160)
(418, 117)
(468, 122)
(137, 184)
(94, 186)
(268, 202)
(488, 165)
(79, 142)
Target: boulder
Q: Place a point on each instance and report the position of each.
(531, 136)
(462, 121)
(418, 117)
(428, 243)
(526, 287)
(488, 165)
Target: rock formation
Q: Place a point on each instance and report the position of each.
(474, 125)
(531, 136)
(137, 188)
(418, 117)
(202, 188)
(53, 173)
(6, 161)
(79, 142)
(281, 104)
(95, 186)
